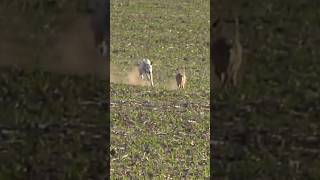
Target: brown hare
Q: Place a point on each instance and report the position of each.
(181, 78)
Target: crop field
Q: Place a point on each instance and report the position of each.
(160, 132)
(269, 128)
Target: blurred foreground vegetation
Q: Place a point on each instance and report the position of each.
(269, 128)
(51, 126)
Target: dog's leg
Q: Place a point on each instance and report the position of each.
(223, 79)
(103, 49)
(141, 73)
(234, 79)
(151, 79)
(148, 76)
(140, 69)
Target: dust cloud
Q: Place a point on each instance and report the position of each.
(171, 85)
(132, 77)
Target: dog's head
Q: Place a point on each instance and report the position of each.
(181, 71)
(146, 61)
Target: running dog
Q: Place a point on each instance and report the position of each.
(227, 57)
(181, 78)
(145, 68)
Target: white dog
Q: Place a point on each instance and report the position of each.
(145, 68)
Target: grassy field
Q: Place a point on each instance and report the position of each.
(160, 132)
(269, 128)
(266, 129)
